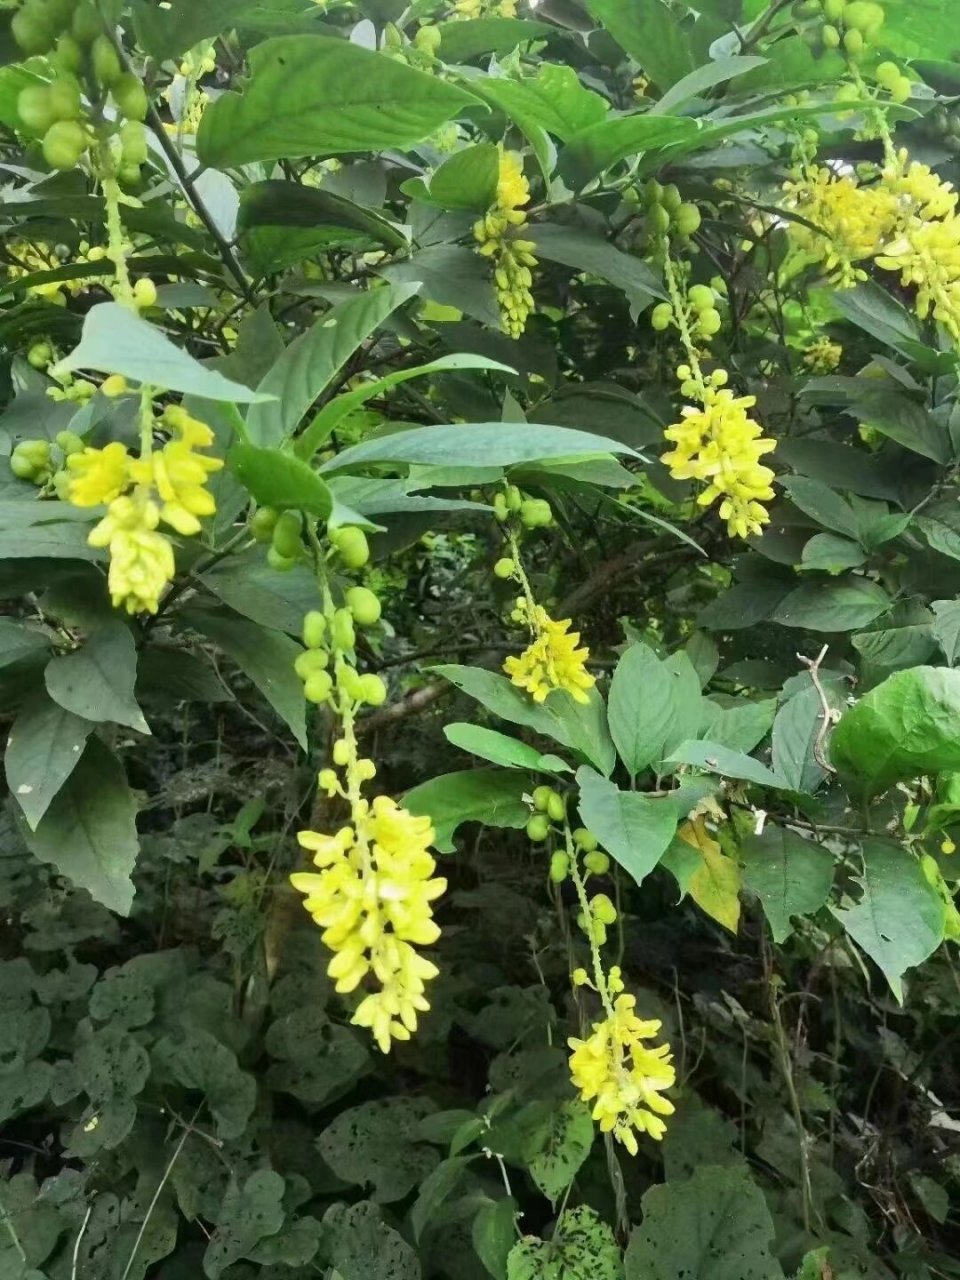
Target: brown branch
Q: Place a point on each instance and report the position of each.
(827, 714)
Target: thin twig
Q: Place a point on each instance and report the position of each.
(827, 715)
(76, 1248)
(156, 1195)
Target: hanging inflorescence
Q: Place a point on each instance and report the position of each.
(512, 257)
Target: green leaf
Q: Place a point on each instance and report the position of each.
(98, 680)
(903, 420)
(650, 33)
(871, 308)
(375, 1145)
(635, 829)
(597, 257)
(246, 1217)
(436, 1188)
(89, 831)
(314, 359)
(476, 444)
(713, 758)
(830, 553)
(491, 796)
(467, 179)
(500, 749)
(275, 600)
(171, 674)
(796, 731)
(198, 1061)
(847, 604)
(278, 479)
(18, 641)
(902, 729)
(581, 728)
(946, 628)
(741, 727)
(583, 1248)
(554, 99)
(463, 41)
(713, 1226)
(361, 1246)
(167, 31)
(558, 1147)
(43, 749)
(705, 77)
(592, 150)
(941, 536)
(642, 707)
(317, 1059)
(899, 919)
(266, 658)
(822, 504)
(275, 203)
(339, 408)
(494, 1234)
(311, 95)
(451, 275)
(791, 876)
(116, 340)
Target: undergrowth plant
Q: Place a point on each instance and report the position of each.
(480, 545)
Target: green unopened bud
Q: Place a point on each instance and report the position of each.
(585, 840)
(288, 534)
(559, 867)
(364, 606)
(311, 661)
(687, 219)
(505, 567)
(661, 317)
(342, 631)
(603, 909)
(373, 690)
(538, 828)
(318, 687)
(535, 513)
(597, 862)
(541, 798)
(556, 808)
(352, 546)
(262, 522)
(69, 443)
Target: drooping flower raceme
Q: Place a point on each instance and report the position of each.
(164, 485)
(622, 1076)
(512, 258)
(372, 897)
(852, 220)
(552, 659)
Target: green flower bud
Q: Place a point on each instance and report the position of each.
(541, 798)
(535, 513)
(364, 606)
(556, 809)
(603, 909)
(700, 297)
(352, 546)
(106, 62)
(318, 687)
(830, 37)
(35, 108)
(288, 534)
(538, 828)
(585, 840)
(64, 98)
(559, 867)
(281, 563)
(262, 522)
(505, 567)
(309, 662)
(662, 316)
(69, 443)
(314, 629)
(688, 219)
(342, 631)
(597, 862)
(373, 690)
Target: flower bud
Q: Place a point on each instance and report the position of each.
(597, 862)
(556, 809)
(364, 606)
(559, 867)
(115, 385)
(538, 828)
(585, 840)
(535, 513)
(318, 687)
(541, 798)
(311, 661)
(342, 631)
(373, 690)
(341, 752)
(352, 546)
(661, 317)
(505, 567)
(603, 909)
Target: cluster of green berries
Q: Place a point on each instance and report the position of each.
(41, 461)
(945, 123)
(532, 513)
(702, 317)
(284, 532)
(890, 77)
(852, 25)
(328, 638)
(72, 34)
(667, 213)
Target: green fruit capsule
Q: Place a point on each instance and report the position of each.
(262, 522)
(585, 840)
(364, 606)
(22, 467)
(69, 55)
(64, 95)
(342, 631)
(63, 145)
(309, 662)
(372, 690)
(352, 545)
(700, 297)
(556, 809)
(658, 219)
(661, 317)
(106, 61)
(538, 828)
(314, 629)
(69, 443)
(688, 219)
(541, 798)
(597, 862)
(830, 37)
(281, 563)
(505, 567)
(603, 909)
(535, 513)
(35, 108)
(130, 96)
(40, 355)
(318, 687)
(287, 534)
(559, 867)
(30, 31)
(133, 143)
(87, 24)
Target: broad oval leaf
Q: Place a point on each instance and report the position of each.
(634, 828)
(97, 681)
(312, 95)
(491, 796)
(279, 479)
(44, 747)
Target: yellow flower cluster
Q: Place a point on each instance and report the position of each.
(719, 443)
(823, 355)
(552, 659)
(624, 1078)
(162, 485)
(513, 259)
(906, 221)
(484, 9)
(374, 886)
(372, 897)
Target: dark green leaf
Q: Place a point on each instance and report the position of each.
(451, 275)
(899, 918)
(89, 831)
(468, 179)
(592, 150)
(463, 41)
(310, 95)
(797, 730)
(706, 77)
(43, 749)
(494, 1234)
(650, 33)
(247, 1216)
(500, 749)
(635, 829)
(597, 257)
(375, 1145)
(278, 479)
(791, 876)
(361, 1246)
(97, 681)
(844, 605)
(491, 796)
(289, 204)
(714, 758)
(643, 707)
(554, 99)
(946, 628)
(830, 553)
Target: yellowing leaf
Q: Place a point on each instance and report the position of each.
(715, 885)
